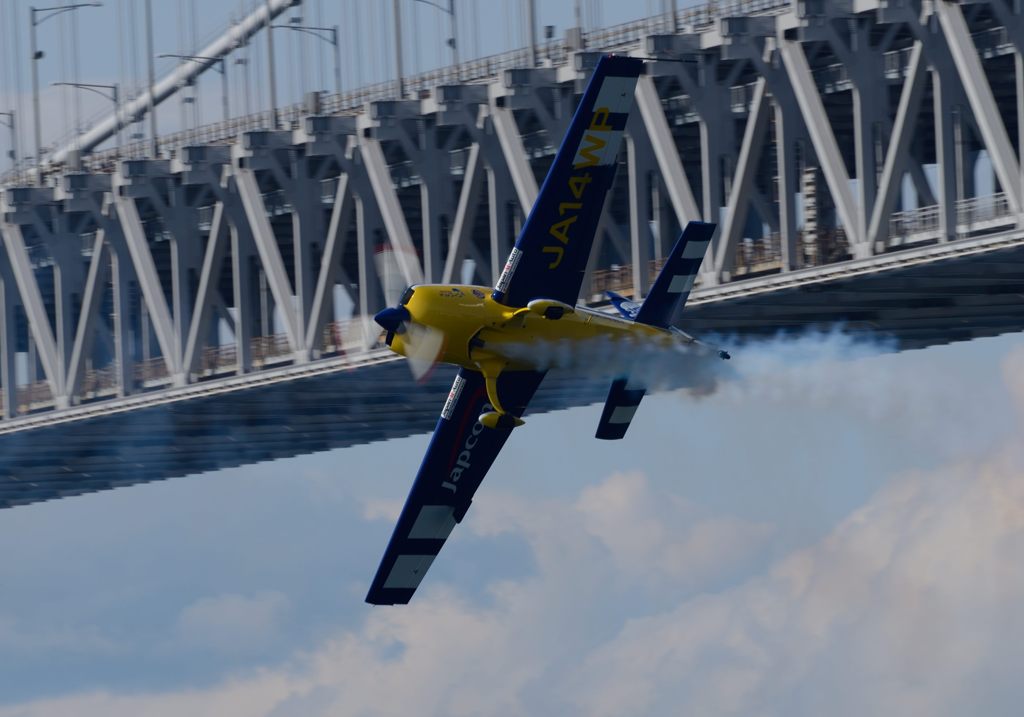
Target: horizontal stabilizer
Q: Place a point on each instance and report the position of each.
(624, 306)
(675, 281)
(623, 400)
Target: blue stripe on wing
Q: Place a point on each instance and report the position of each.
(623, 400)
(457, 459)
(550, 255)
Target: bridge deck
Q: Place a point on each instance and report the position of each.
(916, 298)
(135, 289)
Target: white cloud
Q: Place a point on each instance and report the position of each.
(379, 509)
(909, 606)
(231, 623)
(663, 537)
(901, 610)
(905, 608)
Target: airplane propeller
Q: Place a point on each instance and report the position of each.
(423, 344)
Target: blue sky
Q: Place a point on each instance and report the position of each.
(831, 527)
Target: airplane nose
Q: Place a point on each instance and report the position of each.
(392, 319)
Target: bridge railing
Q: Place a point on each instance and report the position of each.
(982, 210)
(973, 215)
(339, 338)
(924, 220)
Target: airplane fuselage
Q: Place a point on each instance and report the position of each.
(478, 329)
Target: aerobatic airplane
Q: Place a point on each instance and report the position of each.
(495, 335)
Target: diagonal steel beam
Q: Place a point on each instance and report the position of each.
(465, 213)
(983, 103)
(499, 201)
(824, 141)
(341, 216)
(149, 282)
(35, 310)
(92, 299)
(369, 280)
(899, 144)
(515, 156)
(202, 308)
(391, 210)
(746, 168)
(672, 172)
(270, 256)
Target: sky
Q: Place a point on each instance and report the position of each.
(96, 45)
(835, 529)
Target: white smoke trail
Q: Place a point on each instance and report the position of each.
(759, 369)
(658, 367)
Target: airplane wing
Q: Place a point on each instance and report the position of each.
(550, 255)
(458, 458)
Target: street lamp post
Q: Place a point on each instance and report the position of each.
(114, 96)
(151, 76)
(37, 16)
(270, 69)
(396, 11)
(14, 138)
(453, 40)
(219, 64)
(332, 37)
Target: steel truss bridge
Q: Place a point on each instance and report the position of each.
(170, 315)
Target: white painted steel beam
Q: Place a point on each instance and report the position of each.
(824, 141)
(35, 310)
(743, 182)
(92, 299)
(897, 154)
(334, 248)
(270, 257)
(983, 103)
(391, 210)
(209, 275)
(515, 157)
(149, 283)
(671, 165)
(465, 214)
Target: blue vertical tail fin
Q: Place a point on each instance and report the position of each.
(673, 285)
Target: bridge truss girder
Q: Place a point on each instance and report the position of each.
(800, 132)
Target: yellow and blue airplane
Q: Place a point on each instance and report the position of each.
(497, 335)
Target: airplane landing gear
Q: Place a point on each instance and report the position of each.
(493, 419)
